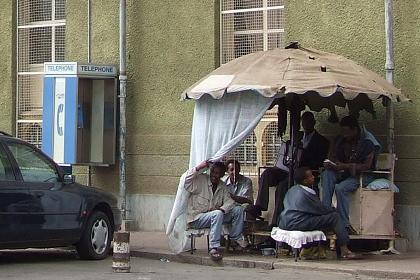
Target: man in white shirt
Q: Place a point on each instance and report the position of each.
(210, 206)
(239, 186)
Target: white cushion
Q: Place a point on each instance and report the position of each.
(296, 238)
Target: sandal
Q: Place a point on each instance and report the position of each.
(215, 255)
(351, 256)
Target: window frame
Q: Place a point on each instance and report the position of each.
(42, 155)
(267, 27)
(12, 162)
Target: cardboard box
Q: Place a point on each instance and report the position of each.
(371, 212)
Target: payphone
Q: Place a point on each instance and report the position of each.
(79, 113)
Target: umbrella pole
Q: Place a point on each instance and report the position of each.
(291, 164)
(294, 128)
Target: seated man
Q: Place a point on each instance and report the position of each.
(304, 211)
(239, 186)
(315, 150)
(210, 206)
(354, 151)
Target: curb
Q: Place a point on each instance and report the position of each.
(200, 260)
(384, 274)
(269, 265)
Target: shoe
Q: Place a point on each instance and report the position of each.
(242, 242)
(351, 256)
(215, 255)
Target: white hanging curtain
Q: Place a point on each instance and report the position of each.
(219, 126)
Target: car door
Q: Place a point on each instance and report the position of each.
(55, 208)
(14, 203)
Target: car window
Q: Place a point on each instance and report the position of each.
(33, 166)
(6, 171)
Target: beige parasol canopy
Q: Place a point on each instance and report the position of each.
(321, 79)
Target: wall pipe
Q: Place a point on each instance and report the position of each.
(89, 60)
(89, 31)
(389, 68)
(122, 98)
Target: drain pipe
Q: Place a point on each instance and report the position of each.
(122, 98)
(89, 31)
(121, 256)
(89, 60)
(389, 68)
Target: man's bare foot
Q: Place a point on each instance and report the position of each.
(349, 255)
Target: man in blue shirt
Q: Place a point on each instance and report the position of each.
(354, 151)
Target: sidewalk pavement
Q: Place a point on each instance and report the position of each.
(154, 245)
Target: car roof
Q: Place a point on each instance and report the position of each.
(4, 135)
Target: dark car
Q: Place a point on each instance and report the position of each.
(42, 207)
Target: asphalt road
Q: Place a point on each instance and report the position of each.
(63, 265)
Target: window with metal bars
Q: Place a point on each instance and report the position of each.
(271, 144)
(246, 153)
(40, 38)
(248, 26)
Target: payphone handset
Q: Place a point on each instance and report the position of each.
(60, 111)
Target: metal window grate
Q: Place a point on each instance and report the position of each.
(60, 9)
(31, 131)
(29, 97)
(247, 156)
(40, 38)
(246, 153)
(241, 4)
(271, 144)
(249, 26)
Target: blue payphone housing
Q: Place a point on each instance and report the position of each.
(79, 113)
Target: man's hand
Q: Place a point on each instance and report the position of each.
(214, 209)
(202, 165)
(328, 165)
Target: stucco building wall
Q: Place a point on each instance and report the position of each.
(356, 30)
(171, 44)
(7, 66)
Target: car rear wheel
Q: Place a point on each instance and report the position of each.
(96, 239)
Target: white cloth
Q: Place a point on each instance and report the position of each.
(297, 239)
(177, 224)
(219, 126)
(307, 139)
(308, 189)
